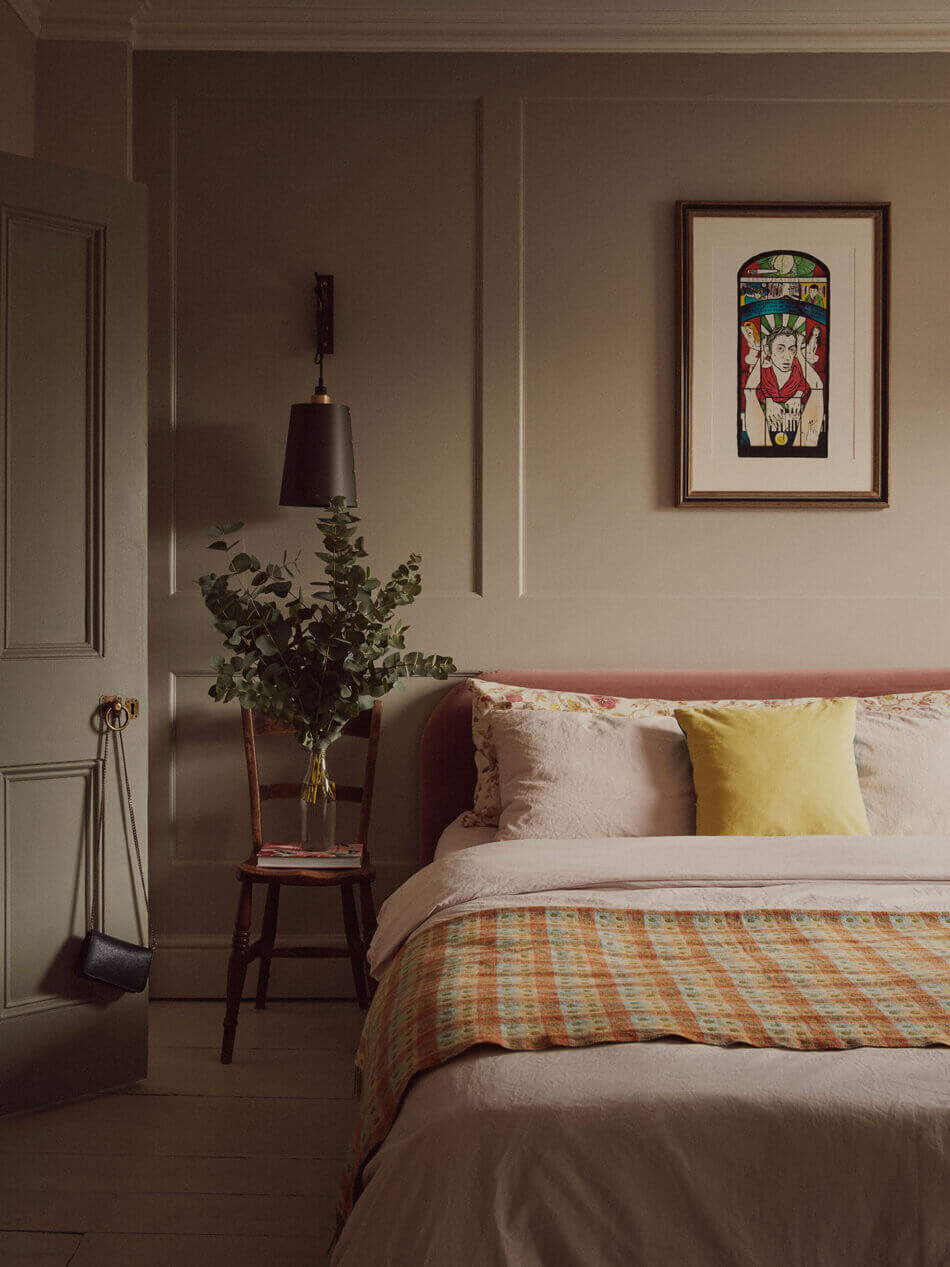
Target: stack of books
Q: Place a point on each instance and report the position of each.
(281, 854)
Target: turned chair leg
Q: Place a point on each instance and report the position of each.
(368, 913)
(355, 944)
(237, 970)
(268, 933)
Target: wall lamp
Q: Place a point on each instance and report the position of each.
(318, 459)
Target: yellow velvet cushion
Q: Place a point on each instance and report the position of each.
(787, 771)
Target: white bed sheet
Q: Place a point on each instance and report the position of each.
(456, 837)
(668, 1152)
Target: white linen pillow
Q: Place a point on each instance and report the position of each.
(904, 770)
(489, 699)
(584, 775)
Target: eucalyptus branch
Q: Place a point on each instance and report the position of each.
(314, 662)
(248, 594)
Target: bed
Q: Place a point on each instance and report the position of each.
(665, 1151)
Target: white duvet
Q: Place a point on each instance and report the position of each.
(666, 1153)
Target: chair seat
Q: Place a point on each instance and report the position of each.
(327, 877)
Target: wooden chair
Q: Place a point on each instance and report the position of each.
(365, 726)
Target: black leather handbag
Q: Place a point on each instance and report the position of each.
(109, 960)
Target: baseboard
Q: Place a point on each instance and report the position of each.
(188, 966)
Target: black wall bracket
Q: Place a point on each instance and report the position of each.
(323, 290)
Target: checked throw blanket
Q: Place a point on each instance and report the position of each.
(527, 978)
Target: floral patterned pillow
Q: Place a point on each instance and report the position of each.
(491, 697)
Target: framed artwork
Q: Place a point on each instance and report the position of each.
(783, 354)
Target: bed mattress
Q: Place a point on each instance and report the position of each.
(666, 1152)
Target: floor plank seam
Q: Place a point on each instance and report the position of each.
(271, 999)
(210, 1095)
(20, 1151)
(213, 1047)
(118, 1193)
(44, 1231)
(271, 1052)
(238, 1095)
(201, 1236)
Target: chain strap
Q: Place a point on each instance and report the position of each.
(123, 765)
(135, 835)
(99, 841)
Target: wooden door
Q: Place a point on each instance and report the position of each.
(73, 402)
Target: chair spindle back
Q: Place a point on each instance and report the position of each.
(365, 726)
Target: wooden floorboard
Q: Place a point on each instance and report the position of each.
(38, 1249)
(90, 1171)
(200, 1163)
(173, 1250)
(152, 1213)
(282, 1025)
(224, 1126)
(295, 1073)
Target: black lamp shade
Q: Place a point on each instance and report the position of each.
(318, 462)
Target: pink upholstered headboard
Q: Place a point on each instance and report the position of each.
(446, 755)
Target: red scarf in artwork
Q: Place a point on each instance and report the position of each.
(768, 388)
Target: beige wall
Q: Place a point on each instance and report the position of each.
(69, 102)
(502, 235)
(84, 106)
(17, 83)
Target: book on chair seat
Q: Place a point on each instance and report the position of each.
(283, 854)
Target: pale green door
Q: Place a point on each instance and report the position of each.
(73, 488)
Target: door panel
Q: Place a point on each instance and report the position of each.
(47, 877)
(72, 522)
(53, 298)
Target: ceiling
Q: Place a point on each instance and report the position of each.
(468, 26)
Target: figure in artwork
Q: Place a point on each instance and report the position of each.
(784, 312)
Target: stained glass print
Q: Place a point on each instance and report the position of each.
(784, 313)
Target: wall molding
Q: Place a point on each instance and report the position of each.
(476, 591)
(106, 21)
(172, 761)
(297, 25)
(30, 13)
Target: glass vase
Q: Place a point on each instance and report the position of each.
(317, 805)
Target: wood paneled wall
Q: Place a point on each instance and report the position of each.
(501, 231)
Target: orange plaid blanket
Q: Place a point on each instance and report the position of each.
(527, 978)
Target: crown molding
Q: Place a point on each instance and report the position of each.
(299, 26)
(108, 21)
(31, 13)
